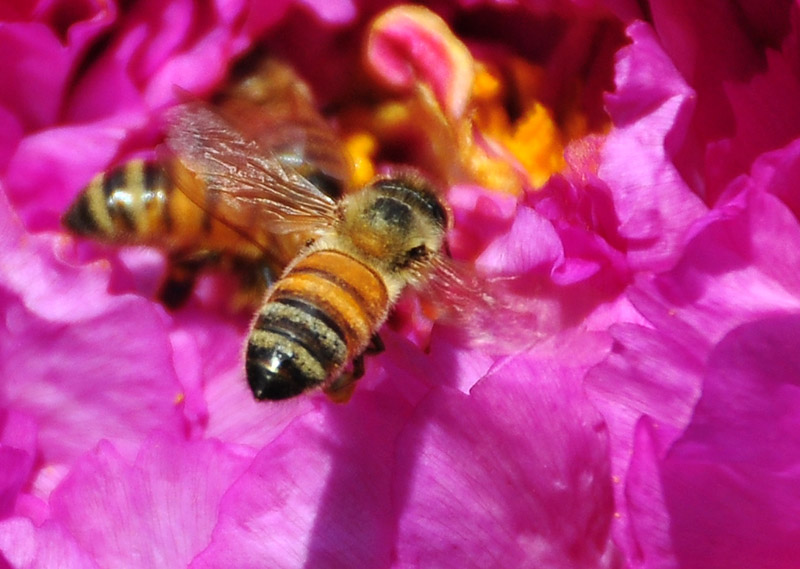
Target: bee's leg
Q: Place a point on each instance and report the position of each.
(341, 389)
(182, 272)
(375, 346)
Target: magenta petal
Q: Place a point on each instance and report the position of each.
(211, 52)
(17, 455)
(157, 35)
(450, 363)
(731, 482)
(647, 378)
(722, 49)
(26, 546)
(78, 392)
(34, 66)
(742, 263)
(317, 496)
(767, 117)
(81, 363)
(156, 31)
(91, 100)
(709, 44)
(480, 216)
(739, 267)
(160, 510)
(513, 475)
(647, 539)
(777, 172)
(11, 132)
(332, 11)
(645, 374)
(654, 205)
(37, 58)
(531, 243)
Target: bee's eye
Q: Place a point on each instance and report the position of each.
(418, 252)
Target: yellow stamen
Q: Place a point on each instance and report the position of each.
(486, 86)
(536, 143)
(533, 138)
(362, 147)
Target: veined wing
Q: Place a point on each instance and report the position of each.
(246, 186)
(268, 102)
(485, 312)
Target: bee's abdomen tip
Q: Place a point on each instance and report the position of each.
(273, 385)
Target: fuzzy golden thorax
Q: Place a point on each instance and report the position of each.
(395, 225)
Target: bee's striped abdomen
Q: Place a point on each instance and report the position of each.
(317, 318)
(123, 204)
(161, 204)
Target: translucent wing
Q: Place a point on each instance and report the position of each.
(246, 185)
(486, 312)
(269, 103)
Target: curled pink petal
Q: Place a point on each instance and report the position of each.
(409, 44)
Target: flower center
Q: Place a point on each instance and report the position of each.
(499, 135)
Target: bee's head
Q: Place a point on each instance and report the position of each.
(398, 220)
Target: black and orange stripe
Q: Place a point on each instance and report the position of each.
(164, 205)
(127, 204)
(318, 317)
(139, 203)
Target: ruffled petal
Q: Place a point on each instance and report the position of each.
(654, 205)
(737, 271)
(410, 44)
(766, 117)
(739, 265)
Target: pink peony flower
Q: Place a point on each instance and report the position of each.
(622, 176)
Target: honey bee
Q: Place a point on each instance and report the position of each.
(164, 203)
(324, 311)
(327, 307)
(242, 190)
